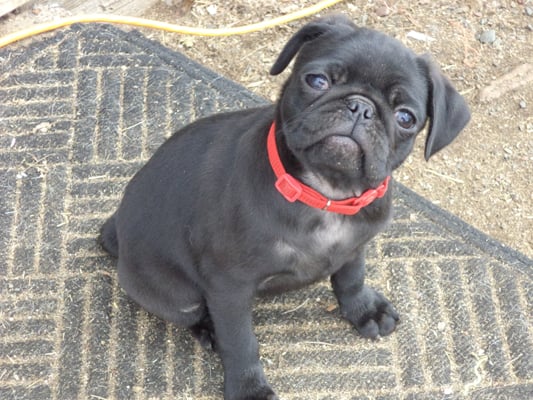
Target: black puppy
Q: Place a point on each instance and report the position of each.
(275, 198)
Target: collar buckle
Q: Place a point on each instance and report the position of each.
(289, 187)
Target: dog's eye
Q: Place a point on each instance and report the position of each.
(317, 81)
(405, 119)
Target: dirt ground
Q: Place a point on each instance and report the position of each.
(485, 47)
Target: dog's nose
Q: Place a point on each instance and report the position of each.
(360, 106)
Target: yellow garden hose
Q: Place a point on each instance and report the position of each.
(146, 23)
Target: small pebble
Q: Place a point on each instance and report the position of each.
(383, 11)
(522, 104)
(212, 9)
(448, 391)
(529, 11)
(488, 36)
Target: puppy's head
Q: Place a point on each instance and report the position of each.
(355, 101)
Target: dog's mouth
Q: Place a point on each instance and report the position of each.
(344, 143)
(341, 148)
(340, 152)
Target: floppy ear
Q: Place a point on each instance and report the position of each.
(447, 110)
(306, 34)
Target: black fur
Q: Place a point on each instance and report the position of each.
(201, 229)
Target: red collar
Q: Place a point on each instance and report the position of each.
(293, 190)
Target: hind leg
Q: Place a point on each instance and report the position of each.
(163, 290)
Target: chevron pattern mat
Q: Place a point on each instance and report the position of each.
(80, 111)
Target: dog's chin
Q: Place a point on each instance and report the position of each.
(341, 153)
(342, 161)
(343, 144)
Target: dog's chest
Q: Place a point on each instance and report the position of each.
(316, 253)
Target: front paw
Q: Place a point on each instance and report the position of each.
(371, 314)
(248, 385)
(262, 393)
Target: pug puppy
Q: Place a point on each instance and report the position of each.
(271, 199)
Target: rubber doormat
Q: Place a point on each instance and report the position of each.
(80, 111)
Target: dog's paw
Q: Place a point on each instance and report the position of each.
(251, 384)
(372, 314)
(204, 332)
(270, 396)
(263, 394)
